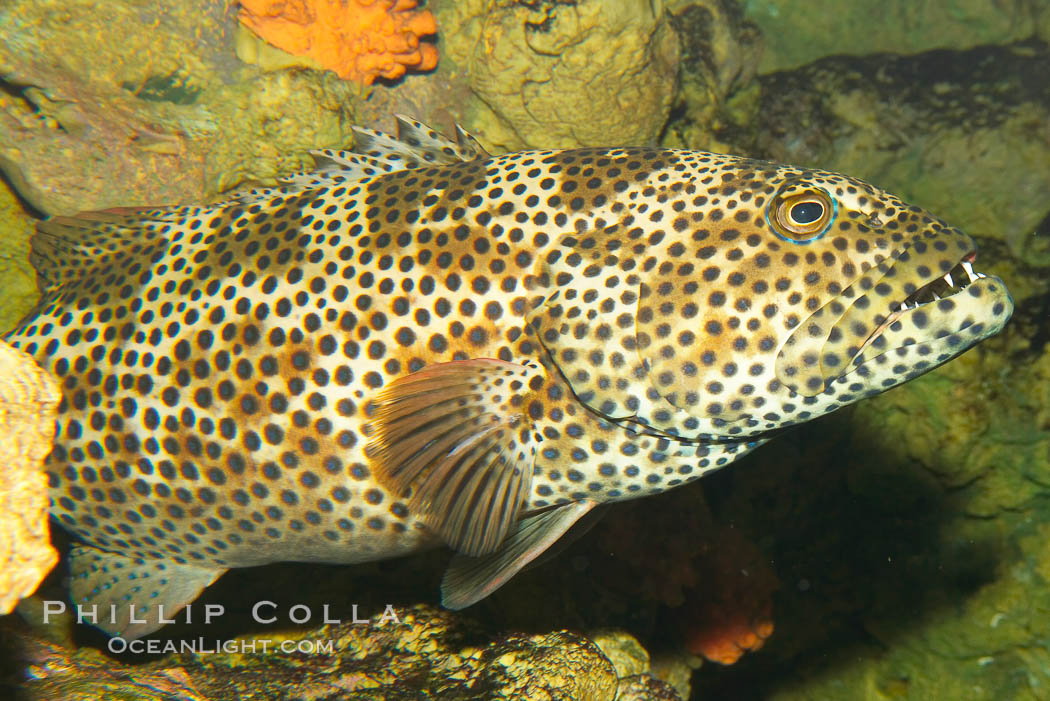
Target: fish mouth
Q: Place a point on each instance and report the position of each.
(952, 283)
(930, 325)
(899, 315)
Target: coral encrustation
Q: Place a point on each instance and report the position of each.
(357, 39)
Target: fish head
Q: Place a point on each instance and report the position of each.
(787, 293)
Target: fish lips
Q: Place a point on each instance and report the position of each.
(923, 335)
(911, 324)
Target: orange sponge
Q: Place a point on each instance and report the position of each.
(730, 611)
(358, 39)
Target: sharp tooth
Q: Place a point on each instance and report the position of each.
(968, 267)
(936, 296)
(948, 278)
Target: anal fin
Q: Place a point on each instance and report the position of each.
(114, 583)
(468, 580)
(456, 439)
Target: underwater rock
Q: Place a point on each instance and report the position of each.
(28, 400)
(525, 77)
(800, 31)
(675, 667)
(429, 654)
(643, 687)
(160, 112)
(631, 662)
(557, 73)
(929, 126)
(19, 278)
(719, 57)
(357, 39)
(627, 655)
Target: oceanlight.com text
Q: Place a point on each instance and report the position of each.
(206, 646)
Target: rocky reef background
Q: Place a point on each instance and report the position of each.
(897, 548)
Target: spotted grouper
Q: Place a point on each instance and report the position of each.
(418, 344)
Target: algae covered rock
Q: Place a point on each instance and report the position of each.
(643, 687)
(719, 58)
(631, 662)
(19, 278)
(627, 655)
(165, 112)
(425, 653)
(159, 112)
(800, 31)
(563, 74)
(28, 400)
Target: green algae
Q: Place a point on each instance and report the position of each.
(425, 654)
(159, 113)
(19, 279)
(800, 31)
(563, 73)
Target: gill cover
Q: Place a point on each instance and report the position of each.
(597, 322)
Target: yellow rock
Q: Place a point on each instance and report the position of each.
(589, 73)
(627, 655)
(255, 51)
(19, 278)
(28, 399)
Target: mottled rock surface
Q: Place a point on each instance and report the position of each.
(559, 74)
(426, 654)
(159, 112)
(800, 31)
(18, 278)
(719, 59)
(28, 400)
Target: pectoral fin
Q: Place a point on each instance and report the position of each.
(470, 579)
(456, 439)
(113, 583)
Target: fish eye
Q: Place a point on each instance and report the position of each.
(806, 213)
(801, 217)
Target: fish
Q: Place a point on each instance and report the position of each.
(417, 344)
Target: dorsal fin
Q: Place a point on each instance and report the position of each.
(68, 248)
(375, 152)
(416, 144)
